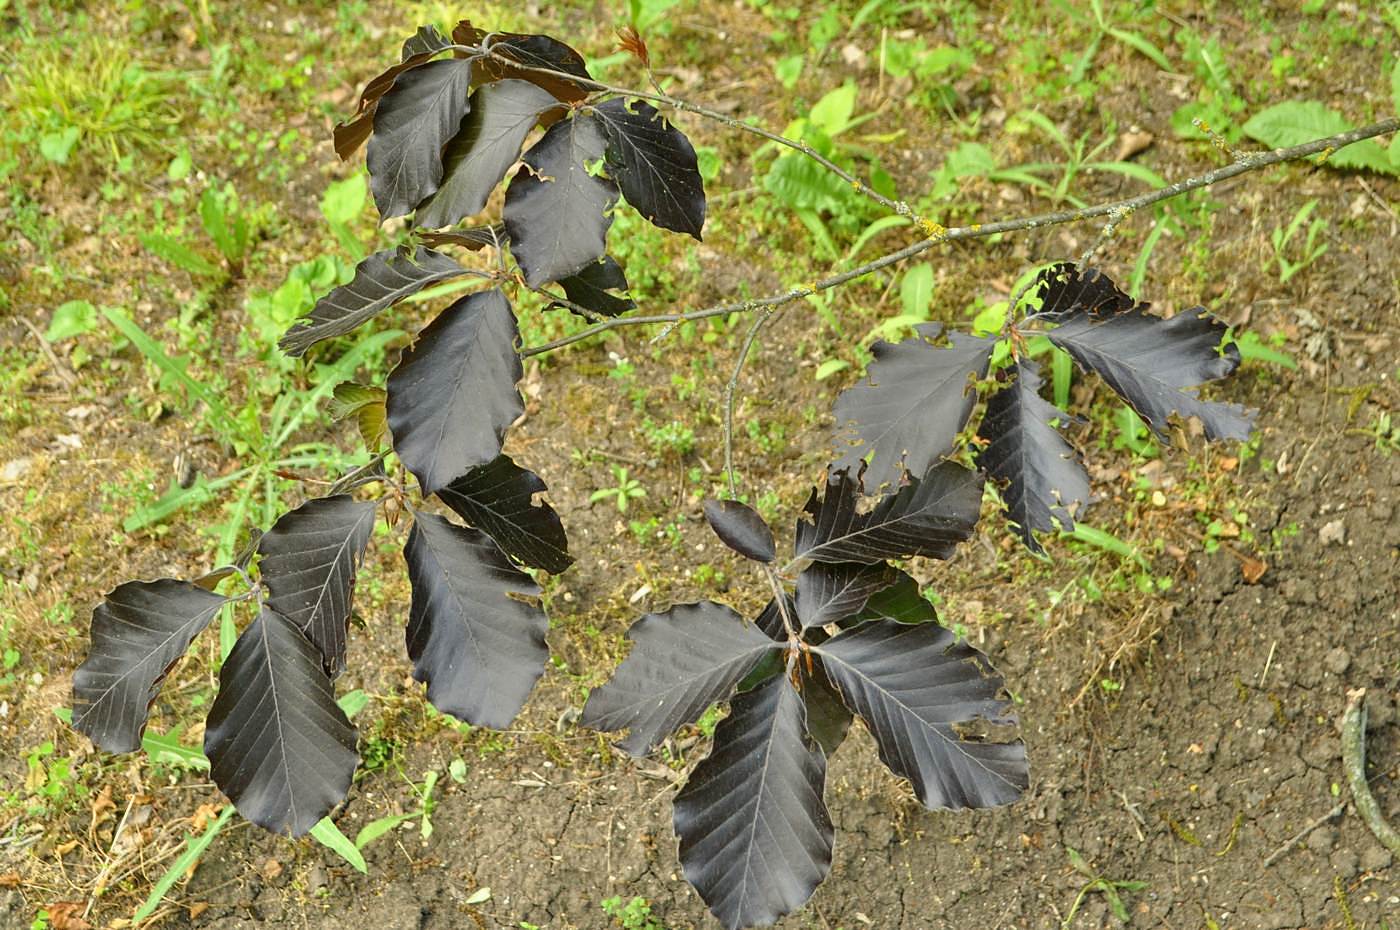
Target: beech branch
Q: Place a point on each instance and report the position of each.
(938, 235)
(898, 206)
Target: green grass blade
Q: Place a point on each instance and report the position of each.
(1143, 45)
(1061, 376)
(1100, 539)
(194, 848)
(175, 368)
(377, 828)
(328, 835)
(166, 749)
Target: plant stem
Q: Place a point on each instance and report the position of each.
(940, 235)
(898, 206)
(729, 390)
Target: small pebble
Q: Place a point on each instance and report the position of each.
(1333, 533)
(1375, 858)
(1336, 661)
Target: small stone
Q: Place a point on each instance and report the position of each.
(1322, 839)
(1375, 859)
(1333, 533)
(1337, 661)
(1346, 863)
(15, 469)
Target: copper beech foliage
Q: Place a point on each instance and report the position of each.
(846, 631)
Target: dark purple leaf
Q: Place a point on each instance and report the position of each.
(557, 211)
(1153, 363)
(412, 123)
(740, 528)
(913, 685)
(1042, 479)
(755, 833)
(139, 631)
(654, 164)
(426, 41)
(537, 51)
(1066, 290)
(309, 559)
(770, 619)
(591, 288)
(474, 238)
(453, 394)
(498, 498)
(829, 593)
(926, 517)
(916, 397)
(479, 647)
(278, 744)
(682, 661)
(380, 281)
(483, 150)
(354, 132)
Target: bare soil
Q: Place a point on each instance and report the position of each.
(1213, 746)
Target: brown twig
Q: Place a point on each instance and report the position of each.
(1299, 836)
(940, 235)
(60, 369)
(898, 206)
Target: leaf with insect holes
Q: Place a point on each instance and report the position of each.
(755, 834)
(476, 644)
(681, 662)
(366, 405)
(929, 516)
(654, 164)
(536, 51)
(916, 397)
(912, 685)
(740, 528)
(309, 560)
(1066, 290)
(412, 123)
(139, 631)
(479, 155)
(279, 745)
(380, 281)
(1153, 363)
(831, 592)
(592, 288)
(453, 394)
(1042, 479)
(426, 41)
(498, 498)
(557, 211)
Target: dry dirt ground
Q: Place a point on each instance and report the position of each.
(1177, 741)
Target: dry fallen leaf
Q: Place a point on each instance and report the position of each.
(67, 915)
(1253, 570)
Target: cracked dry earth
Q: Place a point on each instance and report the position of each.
(1221, 747)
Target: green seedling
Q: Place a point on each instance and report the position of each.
(1096, 883)
(1283, 237)
(626, 489)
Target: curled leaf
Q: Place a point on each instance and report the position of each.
(741, 528)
